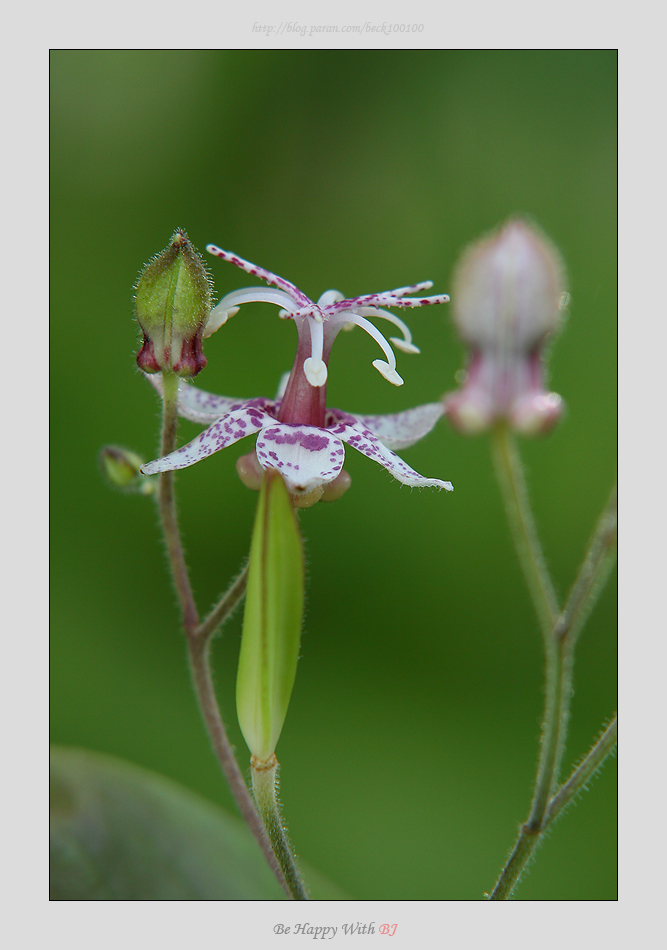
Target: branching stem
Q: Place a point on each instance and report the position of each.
(583, 772)
(559, 631)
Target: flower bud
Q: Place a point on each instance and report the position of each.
(122, 469)
(272, 619)
(172, 306)
(508, 298)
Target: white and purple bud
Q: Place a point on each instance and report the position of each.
(172, 306)
(508, 298)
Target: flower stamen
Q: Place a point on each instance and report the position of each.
(314, 368)
(388, 369)
(405, 345)
(330, 314)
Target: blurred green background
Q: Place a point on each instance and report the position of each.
(409, 748)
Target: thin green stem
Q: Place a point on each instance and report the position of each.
(265, 786)
(510, 876)
(593, 573)
(584, 772)
(509, 471)
(225, 607)
(199, 635)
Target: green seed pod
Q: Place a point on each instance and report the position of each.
(272, 619)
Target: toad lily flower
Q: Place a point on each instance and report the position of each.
(297, 434)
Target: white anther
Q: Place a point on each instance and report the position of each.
(218, 318)
(329, 297)
(388, 372)
(404, 345)
(316, 371)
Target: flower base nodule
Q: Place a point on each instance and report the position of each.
(251, 474)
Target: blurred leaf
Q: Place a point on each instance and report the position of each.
(119, 832)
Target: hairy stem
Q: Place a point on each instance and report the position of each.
(583, 772)
(512, 482)
(509, 472)
(265, 785)
(225, 607)
(167, 505)
(599, 560)
(198, 652)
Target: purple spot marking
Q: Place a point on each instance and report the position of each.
(314, 443)
(309, 441)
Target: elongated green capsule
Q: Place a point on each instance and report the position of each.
(272, 619)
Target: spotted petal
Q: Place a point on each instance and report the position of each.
(199, 406)
(225, 431)
(397, 431)
(306, 457)
(363, 440)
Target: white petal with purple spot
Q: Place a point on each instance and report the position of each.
(365, 442)
(397, 431)
(225, 431)
(305, 456)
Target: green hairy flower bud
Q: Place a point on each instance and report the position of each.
(272, 619)
(172, 306)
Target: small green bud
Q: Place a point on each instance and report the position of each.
(172, 305)
(272, 619)
(122, 469)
